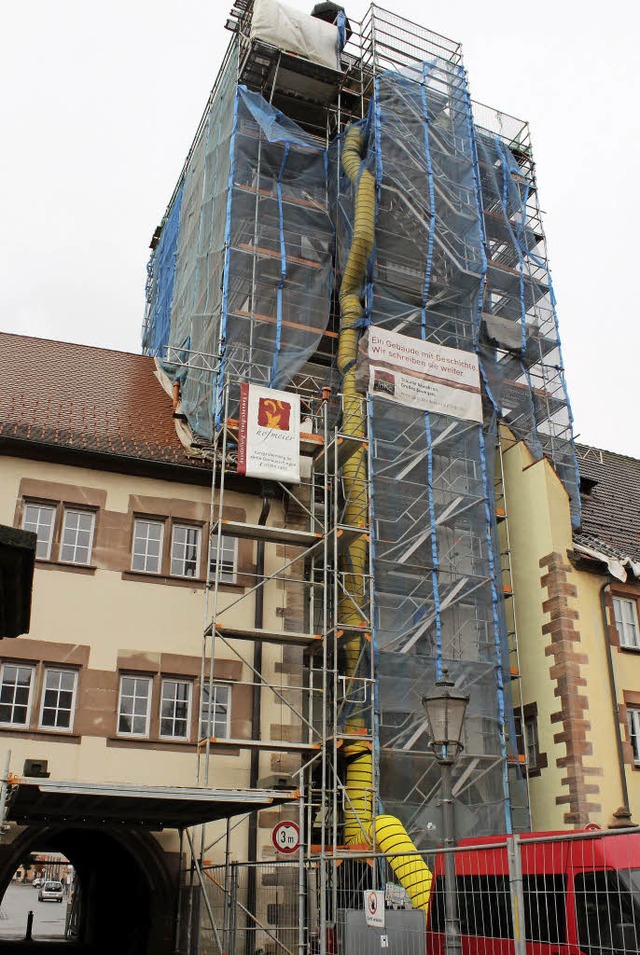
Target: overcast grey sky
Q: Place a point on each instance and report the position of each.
(100, 102)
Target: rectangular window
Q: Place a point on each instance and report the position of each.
(147, 546)
(185, 551)
(228, 559)
(77, 537)
(531, 740)
(633, 717)
(175, 709)
(15, 694)
(626, 615)
(607, 912)
(58, 699)
(215, 711)
(133, 707)
(40, 519)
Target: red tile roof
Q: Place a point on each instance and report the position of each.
(75, 397)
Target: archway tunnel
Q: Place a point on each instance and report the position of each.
(125, 888)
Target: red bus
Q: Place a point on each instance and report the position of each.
(580, 895)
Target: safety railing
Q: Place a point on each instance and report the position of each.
(576, 891)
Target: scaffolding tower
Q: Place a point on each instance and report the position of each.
(389, 562)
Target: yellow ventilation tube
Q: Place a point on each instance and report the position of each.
(385, 832)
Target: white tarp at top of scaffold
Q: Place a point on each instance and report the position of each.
(295, 32)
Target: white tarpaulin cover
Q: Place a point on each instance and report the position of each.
(269, 434)
(296, 32)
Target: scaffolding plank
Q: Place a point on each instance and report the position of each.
(268, 636)
(273, 745)
(337, 452)
(261, 250)
(275, 535)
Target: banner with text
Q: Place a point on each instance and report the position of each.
(423, 375)
(269, 434)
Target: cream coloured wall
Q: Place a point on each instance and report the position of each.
(116, 616)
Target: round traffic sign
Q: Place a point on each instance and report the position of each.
(286, 836)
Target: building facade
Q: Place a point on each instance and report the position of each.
(576, 600)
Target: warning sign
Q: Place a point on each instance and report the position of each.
(374, 908)
(286, 836)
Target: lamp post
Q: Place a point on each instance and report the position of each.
(445, 708)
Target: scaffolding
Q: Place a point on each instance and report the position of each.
(389, 562)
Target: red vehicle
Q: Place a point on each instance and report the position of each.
(580, 895)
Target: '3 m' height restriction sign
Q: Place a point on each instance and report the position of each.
(286, 836)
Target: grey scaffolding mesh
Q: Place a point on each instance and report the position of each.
(243, 287)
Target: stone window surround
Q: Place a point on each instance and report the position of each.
(97, 694)
(114, 532)
(61, 509)
(631, 699)
(529, 711)
(168, 667)
(630, 592)
(40, 668)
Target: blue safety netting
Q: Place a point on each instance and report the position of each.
(250, 253)
(278, 267)
(241, 289)
(519, 343)
(437, 583)
(162, 269)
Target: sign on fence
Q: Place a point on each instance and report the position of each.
(374, 908)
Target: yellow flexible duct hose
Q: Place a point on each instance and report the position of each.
(411, 870)
(385, 832)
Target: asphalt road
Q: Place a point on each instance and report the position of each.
(48, 917)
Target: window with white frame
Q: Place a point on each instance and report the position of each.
(147, 545)
(215, 711)
(625, 611)
(58, 699)
(175, 709)
(228, 563)
(185, 551)
(15, 694)
(633, 717)
(134, 705)
(40, 518)
(77, 536)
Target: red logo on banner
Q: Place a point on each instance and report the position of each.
(274, 414)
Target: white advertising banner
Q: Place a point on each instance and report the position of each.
(269, 434)
(423, 375)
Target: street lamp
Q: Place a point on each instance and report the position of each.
(445, 708)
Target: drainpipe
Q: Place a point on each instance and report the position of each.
(256, 713)
(614, 696)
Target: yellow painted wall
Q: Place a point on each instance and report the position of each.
(539, 524)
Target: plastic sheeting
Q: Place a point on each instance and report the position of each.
(162, 277)
(519, 344)
(458, 260)
(292, 30)
(253, 253)
(434, 554)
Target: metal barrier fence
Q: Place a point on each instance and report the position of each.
(568, 894)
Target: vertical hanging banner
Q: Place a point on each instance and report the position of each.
(269, 434)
